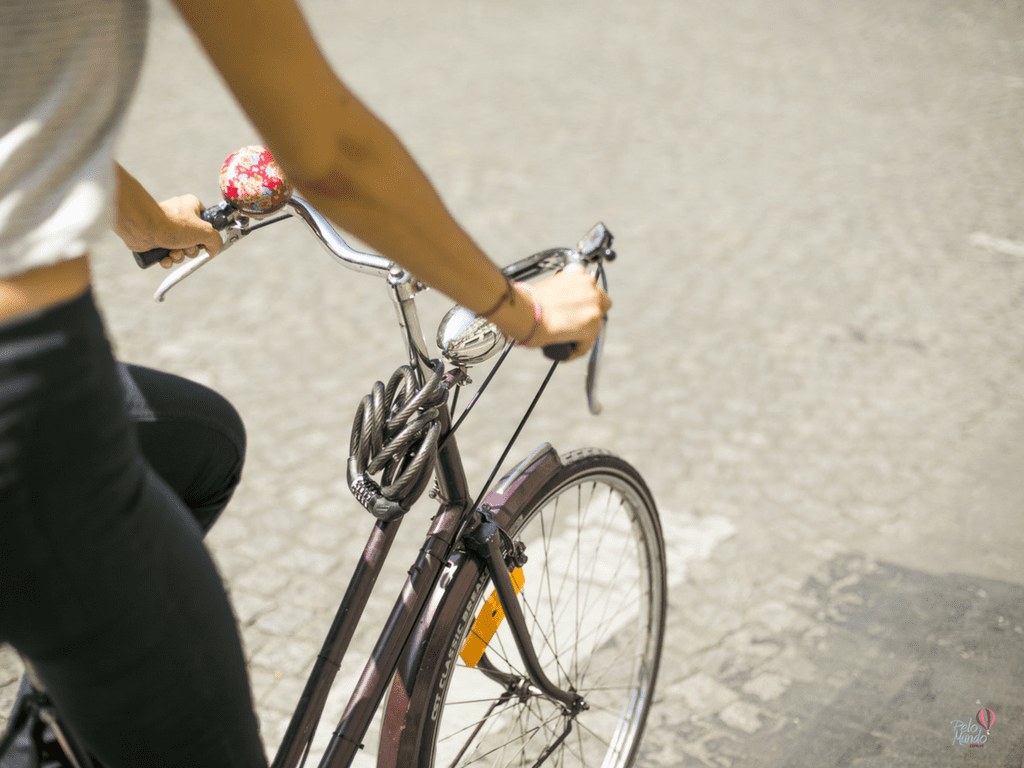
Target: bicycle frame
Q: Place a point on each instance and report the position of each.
(450, 525)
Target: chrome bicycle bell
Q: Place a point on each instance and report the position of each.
(465, 339)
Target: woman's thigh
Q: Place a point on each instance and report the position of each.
(192, 437)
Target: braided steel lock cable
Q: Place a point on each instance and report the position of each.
(395, 433)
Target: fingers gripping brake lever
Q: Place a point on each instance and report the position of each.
(222, 217)
(593, 367)
(596, 246)
(232, 223)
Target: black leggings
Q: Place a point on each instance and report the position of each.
(105, 584)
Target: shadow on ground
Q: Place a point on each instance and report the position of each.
(884, 664)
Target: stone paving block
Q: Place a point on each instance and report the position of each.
(262, 549)
(253, 640)
(284, 694)
(315, 592)
(334, 508)
(742, 715)
(767, 686)
(779, 618)
(302, 497)
(790, 663)
(231, 565)
(752, 645)
(796, 531)
(229, 529)
(867, 514)
(689, 540)
(703, 693)
(713, 748)
(327, 538)
(272, 730)
(283, 654)
(289, 621)
(249, 607)
(268, 580)
(262, 681)
(307, 560)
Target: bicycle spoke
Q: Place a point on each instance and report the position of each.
(628, 651)
(467, 702)
(546, 574)
(626, 647)
(476, 728)
(594, 734)
(524, 736)
(549, 634)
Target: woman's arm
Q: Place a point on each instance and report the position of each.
(354, 170)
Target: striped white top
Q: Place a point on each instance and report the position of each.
(67, 70)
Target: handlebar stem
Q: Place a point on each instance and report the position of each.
(404, 287)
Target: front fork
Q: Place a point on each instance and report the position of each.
(485, 540)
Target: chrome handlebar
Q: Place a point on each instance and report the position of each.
(592, 250)
(239, 225)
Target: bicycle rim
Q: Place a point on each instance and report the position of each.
(594, 601)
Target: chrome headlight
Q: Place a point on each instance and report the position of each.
(465, 339)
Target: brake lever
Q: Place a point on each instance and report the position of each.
(594, 367)
(234, 231)
(239, 225)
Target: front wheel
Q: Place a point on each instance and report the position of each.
(594, 597)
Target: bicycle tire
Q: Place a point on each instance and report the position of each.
(595, 557)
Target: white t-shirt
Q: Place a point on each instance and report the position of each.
(67, 71)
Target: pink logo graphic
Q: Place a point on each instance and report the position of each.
(985, 718)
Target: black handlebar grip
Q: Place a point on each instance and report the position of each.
(219, 216)
(560, 352)
(147, 259)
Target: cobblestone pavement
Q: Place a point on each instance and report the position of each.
(814, 357)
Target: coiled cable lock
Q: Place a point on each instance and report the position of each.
(395, 432)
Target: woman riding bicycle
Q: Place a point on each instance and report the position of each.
(105, 585)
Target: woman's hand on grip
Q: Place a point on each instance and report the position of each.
(174, 224)
(185, 232)
(569, 307)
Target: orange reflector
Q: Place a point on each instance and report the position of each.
(487, 623)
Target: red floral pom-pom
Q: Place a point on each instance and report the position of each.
(252, 182)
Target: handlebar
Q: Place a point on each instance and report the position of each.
(591, 251)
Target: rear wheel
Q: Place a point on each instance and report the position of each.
(594, 599)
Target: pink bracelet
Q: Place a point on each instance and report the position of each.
(538, 313)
